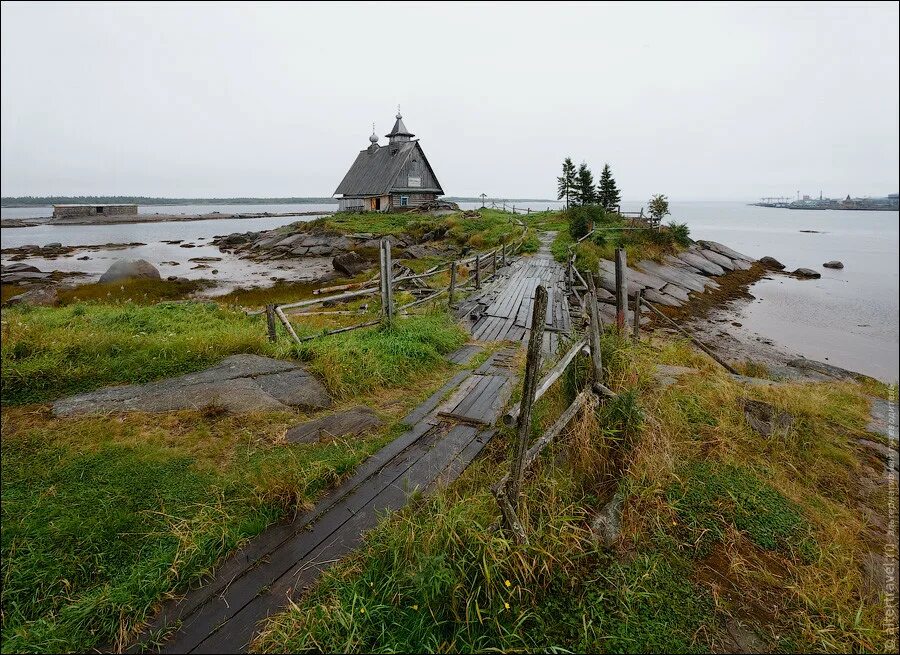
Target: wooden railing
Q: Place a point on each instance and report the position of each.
(484, 266)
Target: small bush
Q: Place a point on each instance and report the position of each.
(680, 233)
(583, 218)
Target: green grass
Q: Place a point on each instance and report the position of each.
(609, 235)
(709, 499)
(486, 228)
(51, 352)
(359, 362)
(103, 518)
(717, 523)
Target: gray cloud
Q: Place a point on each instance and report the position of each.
(698, 101)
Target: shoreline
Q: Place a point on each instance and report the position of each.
(124, 219)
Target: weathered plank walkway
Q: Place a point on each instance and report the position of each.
(446, 433)
(503, 309)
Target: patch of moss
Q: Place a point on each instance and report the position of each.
(711, 497)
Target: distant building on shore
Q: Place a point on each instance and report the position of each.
(68, 211)
(394, 176)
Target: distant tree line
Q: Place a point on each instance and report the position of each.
(40, 201)
(576, 187)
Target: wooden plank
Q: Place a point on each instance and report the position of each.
(434, 399)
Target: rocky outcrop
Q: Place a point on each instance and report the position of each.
(279, 244)
(771, 262)
(833, 264)
(765, 419)
(44, 296)
(350, 264)
(807, 274)
(21, 273)
(240, 383)
(129, 269)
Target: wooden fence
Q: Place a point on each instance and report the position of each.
(483, 266)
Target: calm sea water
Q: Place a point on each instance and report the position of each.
(849, 316)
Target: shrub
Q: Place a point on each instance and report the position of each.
(680, 233)
(582, 219)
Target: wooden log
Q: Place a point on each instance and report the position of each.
(421, 300)
(547, 381)
(381, 283)
(637, 316)
(501, 493)
(287, 324)
(582, 399)
(270, 322)
(452, 283)
(594, 330)
(419, 276)
(621, 290)
(346, 287)
(339, 330)
(694, 339)
(477, 271)
(532, 370)
(318, 301)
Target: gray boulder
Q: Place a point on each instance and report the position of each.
(833, 264)
(44, 296)
(807, 274)
(19, 267)
(607, 525)
(771, 262)
(54, 245)
(240, 383)
(125, 269)
(349, 264)
(765, 419)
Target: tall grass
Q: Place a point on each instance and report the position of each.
(358, 362)
(50, 352)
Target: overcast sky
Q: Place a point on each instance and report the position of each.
(698, 101)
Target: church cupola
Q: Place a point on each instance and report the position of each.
(399, 134)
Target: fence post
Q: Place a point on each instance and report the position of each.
(452, 282)
(621, 290)
(523, 428)
(595, 329)
(477, 271)
(637, 316)
(270, 322)
(387, 295)
(494, 263)
(503, 256)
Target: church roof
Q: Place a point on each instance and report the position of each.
(376, 170)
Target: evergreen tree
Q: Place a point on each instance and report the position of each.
(659, 207)
(607, 192)
(584, 186)
(565, 184)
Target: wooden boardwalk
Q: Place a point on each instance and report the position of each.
(503, 309)
(446, 433)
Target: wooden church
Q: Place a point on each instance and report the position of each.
(389, 177)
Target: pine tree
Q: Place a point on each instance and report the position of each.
(584, 186)
(565, 184)
(607, 192)
(659, 207)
